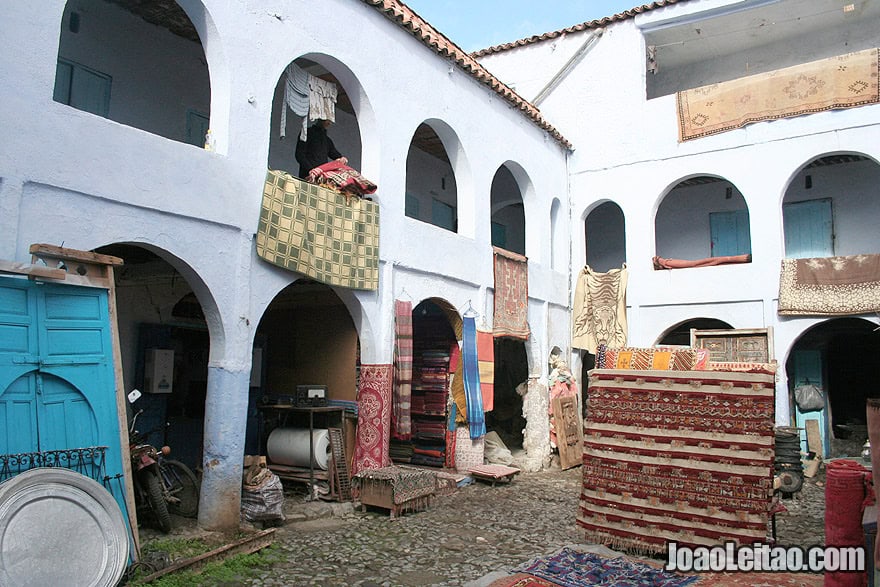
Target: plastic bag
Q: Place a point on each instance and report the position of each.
(809, 398)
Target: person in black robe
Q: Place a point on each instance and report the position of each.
(317, 149)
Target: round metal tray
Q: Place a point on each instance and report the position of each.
(58, 527)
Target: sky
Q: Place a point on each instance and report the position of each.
(477, 24)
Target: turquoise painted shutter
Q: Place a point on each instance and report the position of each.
(499, 235)
(82, 88)
(808, 229)
(730, 233)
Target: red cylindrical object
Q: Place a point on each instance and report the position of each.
(845, 492)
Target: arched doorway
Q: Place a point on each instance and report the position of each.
(292, 119)
(511, 371)
(162, 321)
(436, 329)
(508, 220)
(839, 357)
(306, 338)
(830, 207)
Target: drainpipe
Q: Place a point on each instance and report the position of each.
(560, 75)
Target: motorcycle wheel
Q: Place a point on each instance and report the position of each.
(182, 484)
(157, 501)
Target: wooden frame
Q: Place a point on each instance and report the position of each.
(741, 345)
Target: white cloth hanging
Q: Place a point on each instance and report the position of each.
(322, 99)
(296, 94)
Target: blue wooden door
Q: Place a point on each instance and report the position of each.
(808, 229)
(808, 370)
(57, 384)
(730, 233)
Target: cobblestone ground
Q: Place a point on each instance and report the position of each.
(460, 538)
(477, 530)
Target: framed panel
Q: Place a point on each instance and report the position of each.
(739, 345)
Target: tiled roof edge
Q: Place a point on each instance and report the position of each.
(406, 18)
(585, 26)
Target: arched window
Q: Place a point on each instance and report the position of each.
(137, 65)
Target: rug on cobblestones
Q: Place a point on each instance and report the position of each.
(677, 455)
(573, 568)
(374, 418)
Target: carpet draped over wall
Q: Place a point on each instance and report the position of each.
(319, 232)
(844, 81)
(599, 313)
(374, 418)
(403, 368)
(830, 286)
(677, 455)
(511, 315)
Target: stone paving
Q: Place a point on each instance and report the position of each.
(478, 529)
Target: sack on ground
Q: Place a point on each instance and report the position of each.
(264, 500)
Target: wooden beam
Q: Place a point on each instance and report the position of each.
(44, 250)
(246, 545)
(31, 270)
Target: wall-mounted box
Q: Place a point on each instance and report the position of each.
(159, 371)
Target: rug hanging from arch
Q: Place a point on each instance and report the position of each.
(511, 314)
(374, 418)
(677, 455)
(599, 312)
(403, 370)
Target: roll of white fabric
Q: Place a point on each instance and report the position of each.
(290, 446)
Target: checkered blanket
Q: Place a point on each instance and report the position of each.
(319, 232)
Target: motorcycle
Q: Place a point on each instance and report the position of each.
(148, 490)
(162, 486)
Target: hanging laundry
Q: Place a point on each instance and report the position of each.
(322, 99)
(296, 94)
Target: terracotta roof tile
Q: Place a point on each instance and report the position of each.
(591, 24)
(407, 18)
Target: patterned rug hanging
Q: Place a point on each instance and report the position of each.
(511, 314)
(374, 418)
(403, 368)
(599, 312)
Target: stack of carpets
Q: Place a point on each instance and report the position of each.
(677, 455)
(400, 451)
